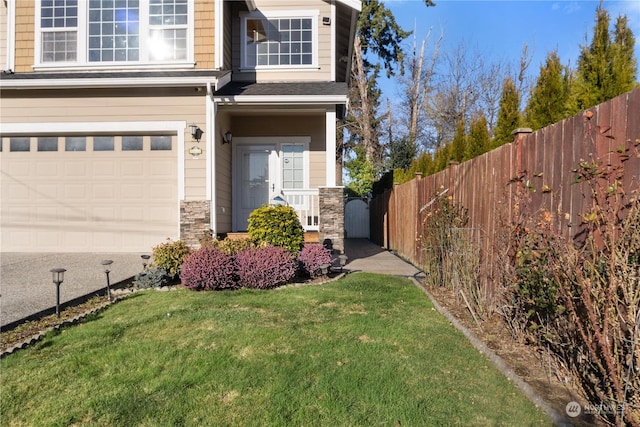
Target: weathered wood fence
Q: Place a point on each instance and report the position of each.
(487, 185)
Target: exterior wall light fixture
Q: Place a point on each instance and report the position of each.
(196, 132)
(227, 138)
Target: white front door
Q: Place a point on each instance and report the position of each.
(254, 181)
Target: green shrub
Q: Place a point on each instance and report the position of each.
(170, 256)
(151, 278)
(232, 246)
(278, 226)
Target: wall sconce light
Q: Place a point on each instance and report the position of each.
(195, 151)
(196, 132)
(58, 278)
(226, 139)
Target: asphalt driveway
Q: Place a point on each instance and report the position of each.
(26, 285)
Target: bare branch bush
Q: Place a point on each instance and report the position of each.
(579, 296)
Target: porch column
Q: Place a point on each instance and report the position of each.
(331, 204)
(330, 124)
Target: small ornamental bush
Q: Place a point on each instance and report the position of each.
(208, 269)
(170, 256)
(278, 226)
(265, 267)
(312, 256)
(151, 278)
(233, 246)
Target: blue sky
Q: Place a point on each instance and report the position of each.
(499, 29)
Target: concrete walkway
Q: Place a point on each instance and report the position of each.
(26, 285)
(368, 257)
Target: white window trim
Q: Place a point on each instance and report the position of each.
(273, 14)
(82, 30)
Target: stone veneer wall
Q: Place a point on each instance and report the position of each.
(331, 206)
(195, 221)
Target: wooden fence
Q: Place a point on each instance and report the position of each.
(487, 185)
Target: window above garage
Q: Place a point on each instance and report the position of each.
(107, 33)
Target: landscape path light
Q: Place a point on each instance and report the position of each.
(58, 278)
(145, 261)
(343, 261)
(107, 263)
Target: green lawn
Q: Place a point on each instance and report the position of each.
(367, 350)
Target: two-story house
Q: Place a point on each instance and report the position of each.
(127, 122)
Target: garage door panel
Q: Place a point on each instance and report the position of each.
(132, 191)
(47, 169)
(75, 192)
(18, 239)
(49, 192)
(158, 192)
(132, 169)
(104, 169)
(75, 169)
(160, 167)
(75, 240)
(48, 239)
(104, 191)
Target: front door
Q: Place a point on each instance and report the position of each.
(254, 181)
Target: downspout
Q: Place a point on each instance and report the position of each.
(211, 110)
(11, 36)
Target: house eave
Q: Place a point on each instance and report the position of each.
(353, 4)
(113, 82)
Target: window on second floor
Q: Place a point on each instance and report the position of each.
(280, 41)
(95, 32)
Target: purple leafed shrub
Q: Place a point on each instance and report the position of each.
(265, 267)
(312, 256)
(208, 269)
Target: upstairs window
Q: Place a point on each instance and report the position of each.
(59, 30)
(105, 32)
(280, 41)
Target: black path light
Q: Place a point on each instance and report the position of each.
(107, 263)
(58, 278)
(145, 261)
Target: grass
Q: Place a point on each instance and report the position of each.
(366, 350)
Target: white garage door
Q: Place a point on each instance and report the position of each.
(108, 193)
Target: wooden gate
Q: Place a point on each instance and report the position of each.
(356, 219)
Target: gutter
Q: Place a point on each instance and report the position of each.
(112, 82)
(282, 99)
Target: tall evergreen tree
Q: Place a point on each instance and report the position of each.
(548, 100)
(508, 115)
(625, 64)
(459, 143)
(606, 69)
(478, 140)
